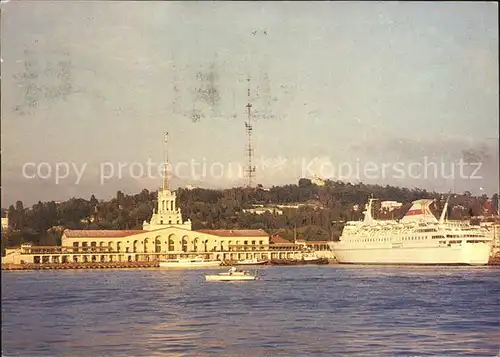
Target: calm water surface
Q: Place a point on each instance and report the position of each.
(293, 311)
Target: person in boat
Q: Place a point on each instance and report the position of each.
(235, 270)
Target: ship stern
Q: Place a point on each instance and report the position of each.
(476, 253)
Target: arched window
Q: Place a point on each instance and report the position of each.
(171, 244)
(158, 244)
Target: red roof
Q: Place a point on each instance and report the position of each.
(100, 233)
(235, 232)
(278, 240)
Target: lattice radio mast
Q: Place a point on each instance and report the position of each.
(250, 171)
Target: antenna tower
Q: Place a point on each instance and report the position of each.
(250, 171)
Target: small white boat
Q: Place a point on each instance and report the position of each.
(198, 262)
(232, 275)
(251, 262)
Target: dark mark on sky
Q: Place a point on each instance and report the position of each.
(40, 81)
(479, 154)
(206, 97)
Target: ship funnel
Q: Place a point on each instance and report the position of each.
(420, 211)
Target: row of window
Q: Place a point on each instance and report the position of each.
(158, 242)
(417, 238)
(386, 239)
(372, 240)
(171, 245)
(94, 244)
(170, 222)
(319, 247)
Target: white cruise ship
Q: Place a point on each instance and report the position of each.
(418, 238)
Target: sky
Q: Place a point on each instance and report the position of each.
(387, 93)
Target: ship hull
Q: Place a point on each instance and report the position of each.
(206, 264)
(466, 254)
(258, 262)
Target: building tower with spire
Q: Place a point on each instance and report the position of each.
(166, 213)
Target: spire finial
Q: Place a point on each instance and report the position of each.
(165, 162)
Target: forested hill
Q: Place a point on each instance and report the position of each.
(313, 209)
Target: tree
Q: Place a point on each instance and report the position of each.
(93, 201)
(119, 198)
(12, 214)
(20, 215)
(494, 203)
(304, 183)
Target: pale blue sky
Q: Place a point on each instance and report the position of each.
(381, 82)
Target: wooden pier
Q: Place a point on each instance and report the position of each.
(105, 265)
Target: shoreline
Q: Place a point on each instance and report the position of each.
(137, 265)
(494, 262)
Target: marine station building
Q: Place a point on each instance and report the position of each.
(166, 236)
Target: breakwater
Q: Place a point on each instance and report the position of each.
(134, 265)
(106, 265)
(319, 261)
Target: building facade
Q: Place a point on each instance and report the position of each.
(264, 210)
(165, 243)
(166, 236)
(320, 248)
(493, 232)
(5, 223)
(81, 246)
